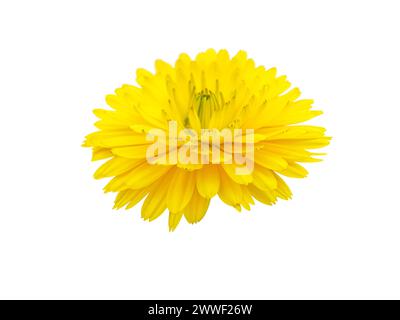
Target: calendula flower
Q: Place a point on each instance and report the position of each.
(208, 126)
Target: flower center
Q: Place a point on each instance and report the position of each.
(206, 103)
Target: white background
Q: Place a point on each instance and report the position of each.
(338, 238)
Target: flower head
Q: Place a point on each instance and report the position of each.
(210, 126)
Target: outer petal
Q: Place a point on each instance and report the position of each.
(130, 197)
(144, 175)
(208, 181)
(270, 160)
(230, 192)
(230, 169)
(156, 202)
(139, 177)
(264, 178)
(132, 152)
(264, 196)
(101, 153)
(196, 208)
(282, 190)
(180, 190)
(294, 170)
(174, 219)
(127, 140)
(114, 167)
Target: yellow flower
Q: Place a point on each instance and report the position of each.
(248, 110)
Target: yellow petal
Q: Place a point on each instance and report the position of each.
(101, 153)
(156, 202)
(294, 170)
(297, 117)
(115, 102)
(130, 197)
(286, 151)
(306, 143)
(247, 199)
(292, 132)
(144, 175)
(196, 208)
(96, 139)
(132, 152)
(139, 195)
(174, 219)
(163, 68)
(207, 181)
(180, 190)
(114, 167)
(230, 192)
(264, 196)
(235, 175)
(128, 140)
(264, 178)
(270, 160)
(114, 117)
(282, 190)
